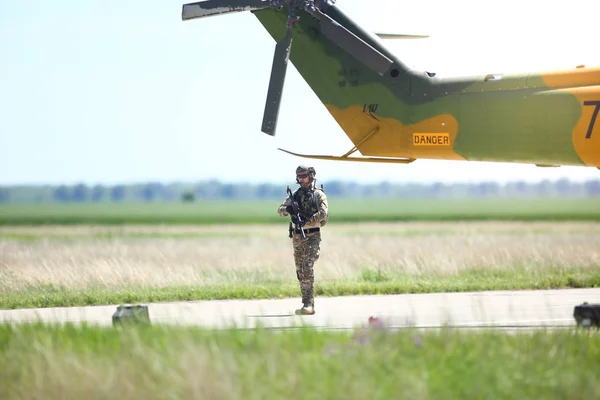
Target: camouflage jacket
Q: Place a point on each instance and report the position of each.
(313, 206)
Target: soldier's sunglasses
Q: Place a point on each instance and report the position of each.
(301, 176)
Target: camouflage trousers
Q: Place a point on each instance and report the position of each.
(306, 252)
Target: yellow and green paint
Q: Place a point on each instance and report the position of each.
(536, 118)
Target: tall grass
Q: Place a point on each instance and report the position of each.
(67, 362)
(48, 266)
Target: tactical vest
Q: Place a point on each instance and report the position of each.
(307, 202)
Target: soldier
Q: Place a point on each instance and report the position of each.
(311, 204)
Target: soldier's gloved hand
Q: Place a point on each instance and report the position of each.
(312, 219)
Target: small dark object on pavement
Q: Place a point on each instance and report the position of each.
(131, 315)
(587, 314)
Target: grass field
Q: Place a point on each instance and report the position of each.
(68, 362)
(45, 266)
(78, 255)
(341, 211)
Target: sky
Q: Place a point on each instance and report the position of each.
(119, 91)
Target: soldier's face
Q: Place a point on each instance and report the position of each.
(303, 178)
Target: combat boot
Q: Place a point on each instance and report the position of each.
(307, 309)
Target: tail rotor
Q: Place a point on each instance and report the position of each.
(337, 33)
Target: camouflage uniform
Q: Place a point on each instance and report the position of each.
(313, 208)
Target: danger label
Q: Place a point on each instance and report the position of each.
(431, 139)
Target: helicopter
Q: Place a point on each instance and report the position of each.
(396, 114)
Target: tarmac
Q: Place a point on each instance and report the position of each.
(507, 310)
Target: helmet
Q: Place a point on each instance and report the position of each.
(304, 168)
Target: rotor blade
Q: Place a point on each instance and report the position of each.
(278, 70)
(382, 35)
(353, 44)
(209, 8)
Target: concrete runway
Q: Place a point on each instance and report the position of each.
(509, 310)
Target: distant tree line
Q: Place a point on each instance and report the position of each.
(216, 190)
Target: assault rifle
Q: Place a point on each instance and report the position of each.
(294, 210)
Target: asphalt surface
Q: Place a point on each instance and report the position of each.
(509, 310)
